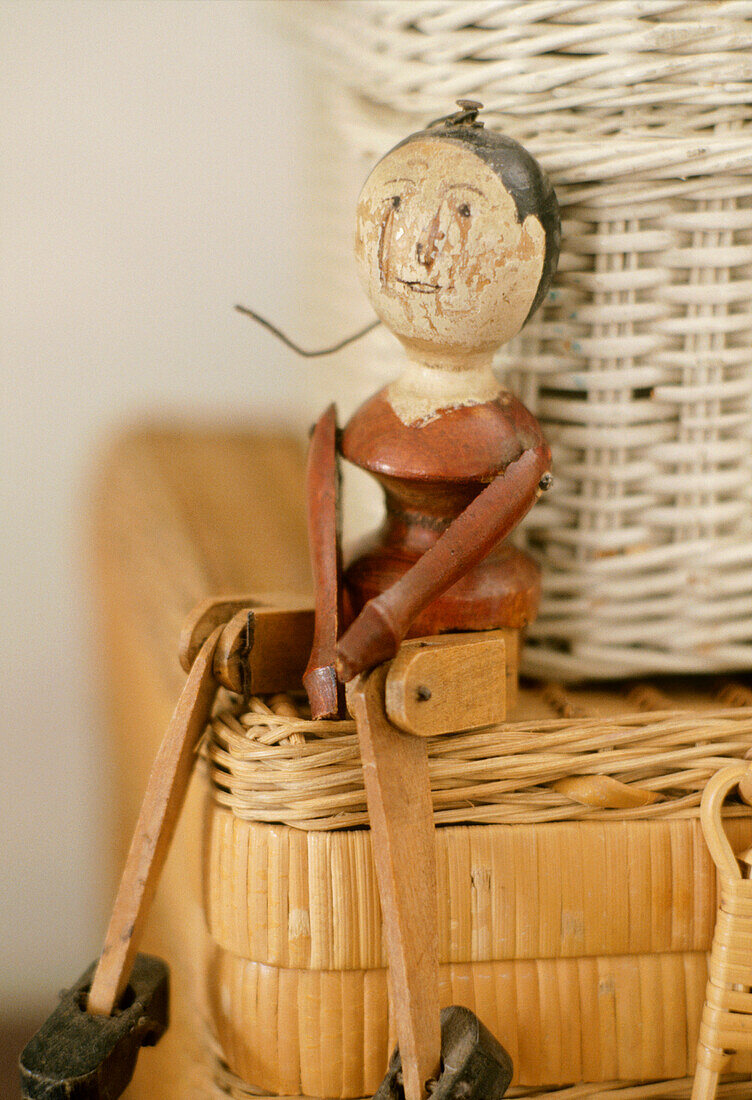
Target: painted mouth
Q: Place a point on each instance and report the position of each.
(422, 288)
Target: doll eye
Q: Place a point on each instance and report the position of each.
(396, 200)
(464, 210)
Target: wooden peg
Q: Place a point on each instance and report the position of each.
(448, 683)
(395, 769)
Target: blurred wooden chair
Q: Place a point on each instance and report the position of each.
(179, 515)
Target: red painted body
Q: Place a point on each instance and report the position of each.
(455, 487)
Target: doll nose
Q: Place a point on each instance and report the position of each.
(427, 247)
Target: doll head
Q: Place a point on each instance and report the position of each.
(457, 238)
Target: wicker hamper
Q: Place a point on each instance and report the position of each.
(576, 894)
(638, 366)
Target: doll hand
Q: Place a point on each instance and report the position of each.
(369, 641)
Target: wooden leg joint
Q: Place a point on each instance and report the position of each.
(475, 1065)
(77, 1056)
(448, 683)
(264, 645)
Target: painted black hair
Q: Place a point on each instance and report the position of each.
(522, 176)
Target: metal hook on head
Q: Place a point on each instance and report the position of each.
(466, 116)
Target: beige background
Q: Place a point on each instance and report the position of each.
(152, 173)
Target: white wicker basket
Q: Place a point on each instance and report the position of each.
(640, 365)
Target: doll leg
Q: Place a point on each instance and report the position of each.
(395, 768)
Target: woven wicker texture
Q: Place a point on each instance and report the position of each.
(639, 364)
(226, 1084)
(604, 758)
(727, 1016)
(593, 779)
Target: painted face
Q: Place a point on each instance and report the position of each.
(441, 253)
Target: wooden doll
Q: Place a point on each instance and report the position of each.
(457, 242)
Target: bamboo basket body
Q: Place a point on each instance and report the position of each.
(638, 365)
(581, 943)
(328, 1033)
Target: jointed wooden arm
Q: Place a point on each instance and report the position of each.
(320, 680)
(384, 621)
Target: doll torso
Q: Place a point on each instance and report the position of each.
(430, 471)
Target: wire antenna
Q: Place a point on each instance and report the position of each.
(296, 347)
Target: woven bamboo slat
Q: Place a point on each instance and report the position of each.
(309, 900)
(597, 1018)
(638, 366)
(222, 1083)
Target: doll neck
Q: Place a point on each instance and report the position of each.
(442, 382)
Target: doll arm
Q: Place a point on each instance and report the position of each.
(325, 693)
(376, 633)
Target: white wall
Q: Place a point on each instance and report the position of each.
(152, 173)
